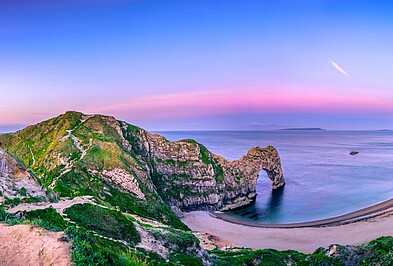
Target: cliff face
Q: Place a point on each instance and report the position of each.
(14, 177)
(190, 177)
(77, 154)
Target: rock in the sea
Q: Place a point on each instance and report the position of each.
(353, 152)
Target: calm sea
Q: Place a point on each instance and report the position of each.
(323, 180)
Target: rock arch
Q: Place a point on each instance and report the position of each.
(267, 159)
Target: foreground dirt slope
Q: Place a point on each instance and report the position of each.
(24, 245)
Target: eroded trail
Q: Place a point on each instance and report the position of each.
(59, 206)
(24, 245)
(78, 144)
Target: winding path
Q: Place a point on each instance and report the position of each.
(59, 206)
(78, 145)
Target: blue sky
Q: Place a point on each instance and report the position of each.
(199, 65)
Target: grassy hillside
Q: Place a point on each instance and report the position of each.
(128, 221)
(72, 164)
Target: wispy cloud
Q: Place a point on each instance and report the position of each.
(241, 101)
(340, 69)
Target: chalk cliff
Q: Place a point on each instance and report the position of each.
(73, 152)
(15, 179)
(190, 177)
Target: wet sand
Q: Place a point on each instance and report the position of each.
(351, 229)
(359, 215)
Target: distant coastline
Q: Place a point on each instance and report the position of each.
(304, 129)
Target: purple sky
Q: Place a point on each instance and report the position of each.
(199, 65)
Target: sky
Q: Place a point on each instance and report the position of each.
(199, 65)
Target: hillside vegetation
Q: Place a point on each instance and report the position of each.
(138, 182)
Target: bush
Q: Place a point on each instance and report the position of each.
(258, 257)
(88, 249)
(12, 202)
(109, 223)
(23, 192)
(47, 218)
(84, 251)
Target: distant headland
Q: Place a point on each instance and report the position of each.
(305, 128)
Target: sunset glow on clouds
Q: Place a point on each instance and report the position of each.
(339, 69)
(242, 101)
(135, 61)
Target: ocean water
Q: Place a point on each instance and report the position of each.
(322, 179)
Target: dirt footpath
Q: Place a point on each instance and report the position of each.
(24, 245)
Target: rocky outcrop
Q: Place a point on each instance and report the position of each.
(74, 153)
(190, 177)
(15, 179)
(124, 181)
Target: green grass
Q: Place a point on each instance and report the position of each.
(78, 183)
(183, 240)
(256, 257)
(103, 221)
(8, 218)
(205, 154)
(11, 202)
(382, 248)
(108, 152)
(184, 259)
(23, 192)
(153, 208)
(83, 250)
(90, 250)
(47, 218)
(207, 158)
(376, 252)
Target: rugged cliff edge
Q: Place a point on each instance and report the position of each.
(70, 152)
(15, 179)
(137, 183)
(132, 177)
(190, 177)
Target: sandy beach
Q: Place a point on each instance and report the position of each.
(303, 239)
(359, 215)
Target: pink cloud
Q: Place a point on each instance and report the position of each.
(273, 98)
(244, 100)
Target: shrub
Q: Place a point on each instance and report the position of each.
(84, 251)
(47, 218)
(103, 221)
(23, 192)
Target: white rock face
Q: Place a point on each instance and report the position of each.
(13, 177)
(190, 177)
(183, 173)
(124, 181)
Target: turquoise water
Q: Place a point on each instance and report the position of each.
(323, 180)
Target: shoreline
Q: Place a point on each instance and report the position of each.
(352, 217)
(354, 228)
